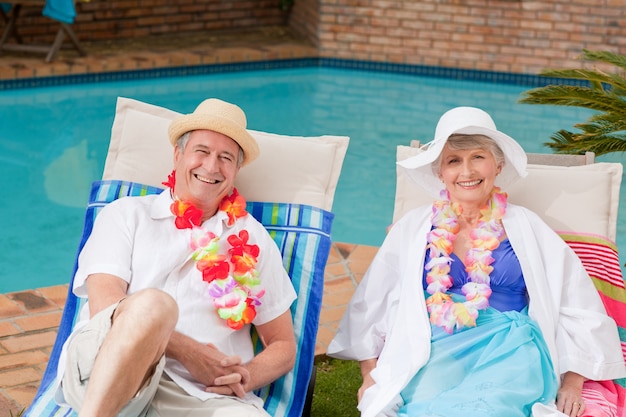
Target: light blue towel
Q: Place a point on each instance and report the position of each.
(501, 367)
(61, 10)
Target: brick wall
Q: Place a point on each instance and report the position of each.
(519, 36)
(304, 19)
(114, 19)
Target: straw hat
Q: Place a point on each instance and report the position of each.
(466, 121)
(218, 116)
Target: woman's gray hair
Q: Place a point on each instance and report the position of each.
(460, 142)
(182, 142)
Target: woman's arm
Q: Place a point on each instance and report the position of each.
(569, 398)
(366, 368)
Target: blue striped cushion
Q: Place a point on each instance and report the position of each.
(302, 234)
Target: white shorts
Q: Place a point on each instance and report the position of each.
(81, 355)
(172, 400)
(161, 397)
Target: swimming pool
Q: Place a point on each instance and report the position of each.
(54, 140)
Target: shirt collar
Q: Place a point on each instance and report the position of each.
(161, 206)
(161, 210)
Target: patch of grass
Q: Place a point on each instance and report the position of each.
(336, 386)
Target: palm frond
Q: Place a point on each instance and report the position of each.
(605, 56)
(601, 125)
(596, 78)
(560, 139)
(614, 118)
(604, 131)
(575, 96)
(567, 142)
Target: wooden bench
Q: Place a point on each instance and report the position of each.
(10, 31)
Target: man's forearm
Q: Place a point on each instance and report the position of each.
(104, 290)
(270, 364)
(179, 347)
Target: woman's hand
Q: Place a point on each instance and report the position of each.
(569, 398)
(366, 368)
(367, 382)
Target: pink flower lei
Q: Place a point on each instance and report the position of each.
(485, 237)
(231, 276)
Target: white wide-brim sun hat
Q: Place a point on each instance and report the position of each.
(218, 116)
(465, 121)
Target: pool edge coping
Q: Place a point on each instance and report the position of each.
(530, 80)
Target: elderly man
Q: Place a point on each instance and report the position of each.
(174, 282)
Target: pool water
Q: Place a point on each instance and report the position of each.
(54, 140)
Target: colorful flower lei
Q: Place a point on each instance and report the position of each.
(232, 275)
(485, 239)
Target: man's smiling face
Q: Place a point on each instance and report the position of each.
(206, 169)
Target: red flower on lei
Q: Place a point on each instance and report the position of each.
(243, 255)
(187, 215)
(231, 277)
(234, 205)
(171, 180)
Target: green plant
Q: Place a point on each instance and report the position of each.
(285, 4)
(19, 414)
(336, 386)
(605, 131)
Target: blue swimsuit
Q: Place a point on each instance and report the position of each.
(499, 368)
(507, 282)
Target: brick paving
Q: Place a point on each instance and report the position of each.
(28, 324)
(29, 319)
(261, 44)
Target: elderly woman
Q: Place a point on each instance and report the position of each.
(473, 306)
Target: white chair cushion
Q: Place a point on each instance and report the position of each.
(583, 199)
(290, 169)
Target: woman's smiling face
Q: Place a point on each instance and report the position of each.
(468, 174)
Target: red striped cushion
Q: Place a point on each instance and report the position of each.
(600, 259)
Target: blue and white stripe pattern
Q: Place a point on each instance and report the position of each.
(302, 234)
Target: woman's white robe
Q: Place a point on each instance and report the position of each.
(387, 317)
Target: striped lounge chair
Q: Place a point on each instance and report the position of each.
(302, 234)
